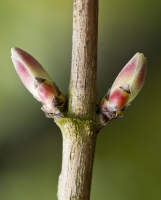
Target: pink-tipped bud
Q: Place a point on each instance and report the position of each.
(125, 88)
(37, 81)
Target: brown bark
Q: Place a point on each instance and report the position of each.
(79, 142)
(80, 127)
(83, 90)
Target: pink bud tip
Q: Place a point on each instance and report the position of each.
(27, 68)
(36, 79)
(132, 75)
(125, 88)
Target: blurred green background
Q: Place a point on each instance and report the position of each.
(128, 154)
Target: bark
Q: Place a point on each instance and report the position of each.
(80, 126)
(79, 142)
(83, 90)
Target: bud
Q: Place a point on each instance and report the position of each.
(124, 89)
(37, 81)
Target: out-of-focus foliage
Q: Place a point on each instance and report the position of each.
(127, 162)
